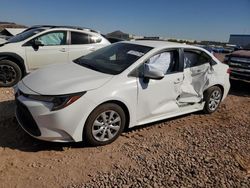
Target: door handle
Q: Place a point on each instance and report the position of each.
(62, 50)
(179, 80)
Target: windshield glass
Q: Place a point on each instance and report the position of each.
(24, 35)
(114, 58)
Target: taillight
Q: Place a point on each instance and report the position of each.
(229, 71)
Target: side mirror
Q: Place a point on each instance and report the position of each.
(152, 73)
(37, 44)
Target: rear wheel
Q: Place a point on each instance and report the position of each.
(10, 73)
(104, 124)
(213, 98)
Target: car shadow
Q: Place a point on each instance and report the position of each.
(12, 136)
(240, 88)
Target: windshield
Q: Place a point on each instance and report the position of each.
(24, 35)
(114, 58)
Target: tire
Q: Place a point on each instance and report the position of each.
(212, 98)
(10, 73)
(104, 124)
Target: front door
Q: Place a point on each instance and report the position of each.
(53, 50)
(158, 98)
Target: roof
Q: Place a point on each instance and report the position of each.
(62, 26)
(14, 31)
(160, 44)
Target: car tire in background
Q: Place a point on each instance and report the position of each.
(104, 124)
(212, 97)
(10, 73)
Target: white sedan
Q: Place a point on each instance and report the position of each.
(120, 86)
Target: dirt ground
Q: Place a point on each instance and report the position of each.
(194, 150)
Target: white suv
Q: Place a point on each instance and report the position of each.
(43, 45)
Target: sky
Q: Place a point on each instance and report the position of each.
(183, 19)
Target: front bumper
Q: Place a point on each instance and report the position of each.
(65, 125)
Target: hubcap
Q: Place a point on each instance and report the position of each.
(214, 100)
(7, 74)
(106, 125)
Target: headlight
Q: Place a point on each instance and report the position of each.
(59, 101)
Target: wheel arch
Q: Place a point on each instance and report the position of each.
(218, 85)
(123, 106)
(16, 59)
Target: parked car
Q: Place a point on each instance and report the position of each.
(39, 46)
(119, 86)
(239, 63)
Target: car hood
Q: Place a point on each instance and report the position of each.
(2, 41)
(60, 79)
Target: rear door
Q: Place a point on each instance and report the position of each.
(54, 50)
(197, 72)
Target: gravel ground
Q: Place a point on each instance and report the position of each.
(195, 150)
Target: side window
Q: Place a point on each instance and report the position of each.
(94, 39)
(203, 58)
(194, 58)
(53, 38)
(79, 38)
(167, 62)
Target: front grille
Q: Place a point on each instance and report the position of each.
(239, 62)
(26, 119)
(240, 75)
(240, 67)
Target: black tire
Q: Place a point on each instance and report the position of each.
(208, 97)
(89, 127)
(10, 73)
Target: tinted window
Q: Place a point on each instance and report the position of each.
(79, 38)
(53, 38)
(114, 58)
(195, 58)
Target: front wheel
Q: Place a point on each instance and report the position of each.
(212, 98)
(10, 73)
(104, 124)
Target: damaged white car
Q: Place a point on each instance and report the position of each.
(120, 86)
